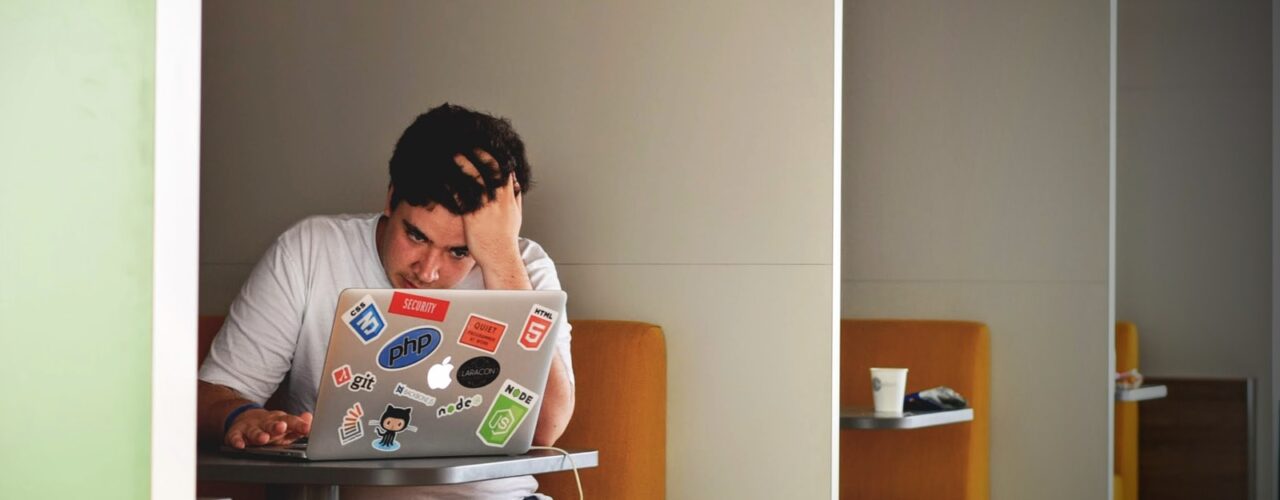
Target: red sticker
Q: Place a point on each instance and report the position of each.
(342, 375)
(419, 307)
(482, 333)
(537, 327)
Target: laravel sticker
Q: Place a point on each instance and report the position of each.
(419, 307)
(482, 333)
(537, 327)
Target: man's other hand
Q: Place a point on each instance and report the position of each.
(493, 230)
(259, 427)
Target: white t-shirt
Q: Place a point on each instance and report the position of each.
(280, 322)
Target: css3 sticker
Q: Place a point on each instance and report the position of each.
(365, 320)
(537, 327)
(409, 348)
(506, 414)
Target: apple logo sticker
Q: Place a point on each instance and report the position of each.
(438, 375)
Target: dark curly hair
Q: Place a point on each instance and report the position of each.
(423, 172)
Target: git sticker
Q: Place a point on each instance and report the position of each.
(364, 320)
(342, 375)
(482, 333)
(418, 306)
(363, 382)
(352, 428)
(537, 327)
(506, 414)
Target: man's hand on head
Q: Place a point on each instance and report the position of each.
(493, 231)
(259, 427)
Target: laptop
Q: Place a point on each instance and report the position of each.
(431, 373)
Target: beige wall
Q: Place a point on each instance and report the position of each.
(683, 153)
(976, 186)
(1193, 172)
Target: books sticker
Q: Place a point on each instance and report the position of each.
(352, 428)
(537, 327)
(365, 320)
(508, 411)
(482, 333)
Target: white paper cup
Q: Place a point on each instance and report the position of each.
(888, 387)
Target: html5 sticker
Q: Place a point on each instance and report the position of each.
(536, 328)
(418, 306)
(482, 333)
(365, 320)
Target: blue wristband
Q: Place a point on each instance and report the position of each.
(231, 417)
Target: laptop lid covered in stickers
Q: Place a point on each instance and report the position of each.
(429, 373)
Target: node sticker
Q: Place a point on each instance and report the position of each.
(363, 382)
(416, 395)
(352, 428)
(505, 415)
(536, 328)
(478, 372)
(365, 320)
(482, 333)
(459, 406)
(342, 375)
(419, 307)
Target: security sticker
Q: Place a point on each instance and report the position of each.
(394, 420)
(482, 333)
(478, 372)
(342, 375)
(363, 382)
(459, 406)
(352, 428)
(537, 327)
(365, 320)
(418, 306)
(414, 394)
(505, 415)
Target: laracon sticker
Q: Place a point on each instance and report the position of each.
(394, 420)
(414, 394)
(505, 415)
(409, 348)
(419, 307)
(363, 382)
(352, 428)
(364, 320)
(537, 327)
(478, 372)
(342, 375)
(482, 333)
(458, 407)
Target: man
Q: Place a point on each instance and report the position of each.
(451, 220)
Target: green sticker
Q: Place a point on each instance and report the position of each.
(505, 415)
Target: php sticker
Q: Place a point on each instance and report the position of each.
(342, 375)
(364, 320)
(536, 328)
(352, 428)
(409, 348)
(482, 333)
(478, 372)
(363, 382)
(418, 306)
(416, 395)
(458, 407)
(506, 414)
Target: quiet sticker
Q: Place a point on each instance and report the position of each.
(414, 394)
(506, 414)
(419, 307)
(364, 320)
(482, 333)
(352, 428)
(342, 375)
(537, 327)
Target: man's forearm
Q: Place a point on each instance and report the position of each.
(557, 405)
(214, 402)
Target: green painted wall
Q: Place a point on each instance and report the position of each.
(76, 142)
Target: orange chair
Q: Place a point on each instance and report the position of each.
(945, 462)
(1126, 419)
(621, 410)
